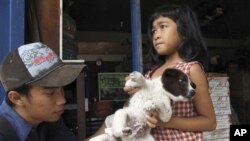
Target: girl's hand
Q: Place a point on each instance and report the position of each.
(153, 119)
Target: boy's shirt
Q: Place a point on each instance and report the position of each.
(54, 131)
(21, 127)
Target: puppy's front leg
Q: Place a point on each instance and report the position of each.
(165, 112)
(120, 122)
(165, 109)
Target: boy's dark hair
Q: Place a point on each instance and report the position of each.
(23, 90)
(193, 47)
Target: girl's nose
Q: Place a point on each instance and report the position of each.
(156, 35)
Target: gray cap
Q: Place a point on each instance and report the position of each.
(36, 64)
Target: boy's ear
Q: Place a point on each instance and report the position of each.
(15, 98)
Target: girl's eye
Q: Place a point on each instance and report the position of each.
(163, 26)
(153, 31)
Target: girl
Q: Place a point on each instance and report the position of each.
(177, 43)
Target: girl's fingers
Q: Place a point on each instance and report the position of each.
(151, 125)
(152, 119)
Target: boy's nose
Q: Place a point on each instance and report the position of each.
(60, 98)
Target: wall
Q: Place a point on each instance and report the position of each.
(12, 28)
(118, 37)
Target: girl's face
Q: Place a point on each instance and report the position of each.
(43, 104)
(165, 36)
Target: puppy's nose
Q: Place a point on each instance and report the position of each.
(191, 94)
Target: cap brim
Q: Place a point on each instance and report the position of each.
(61, 76)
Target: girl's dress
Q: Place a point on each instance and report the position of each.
(180, 109)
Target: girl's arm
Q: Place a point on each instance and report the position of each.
(205, 120)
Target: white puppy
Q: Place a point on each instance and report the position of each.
(129, 123)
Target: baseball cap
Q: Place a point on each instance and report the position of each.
(36, 64)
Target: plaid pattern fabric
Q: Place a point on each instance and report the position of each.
(180, 109)
(163, 134)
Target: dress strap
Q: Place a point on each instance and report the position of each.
(185, 66)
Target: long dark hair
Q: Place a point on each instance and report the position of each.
(193, 47)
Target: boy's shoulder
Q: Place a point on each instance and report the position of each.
(2, 138)
(6, 130)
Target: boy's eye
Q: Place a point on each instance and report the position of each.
(49, 91)
(52, 91)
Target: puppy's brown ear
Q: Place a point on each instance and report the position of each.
(15, 98)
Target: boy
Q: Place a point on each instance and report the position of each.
(33, 77)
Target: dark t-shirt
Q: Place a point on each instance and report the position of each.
(56, 131)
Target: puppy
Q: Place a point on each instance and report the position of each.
(129, 123)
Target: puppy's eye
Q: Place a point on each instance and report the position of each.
(182, 81)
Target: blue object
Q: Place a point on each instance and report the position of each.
(136, 35)
(12, 28)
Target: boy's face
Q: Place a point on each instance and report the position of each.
(42, 104)
(166, 38)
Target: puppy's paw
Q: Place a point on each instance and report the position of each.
(127, 131)
(165, 114)
(118, 133)
(103, 137)
(136, 79)
(165, 117)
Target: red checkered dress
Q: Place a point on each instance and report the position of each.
(180, 109)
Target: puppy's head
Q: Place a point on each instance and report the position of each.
(178, 84)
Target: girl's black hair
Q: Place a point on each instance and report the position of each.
(193, 47)
(23, 90)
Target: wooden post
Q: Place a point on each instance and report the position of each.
(48, 16)
(81, 116)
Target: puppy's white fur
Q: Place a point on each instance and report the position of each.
(151, 96)
(132, 118)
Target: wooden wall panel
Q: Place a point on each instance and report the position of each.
(48, 16)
